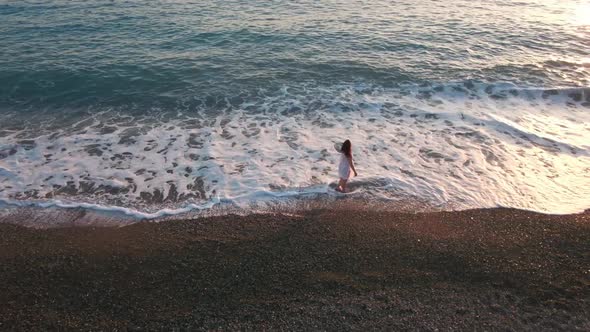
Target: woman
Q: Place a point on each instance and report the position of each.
(345, 165)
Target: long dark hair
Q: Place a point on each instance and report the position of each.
(347, 148)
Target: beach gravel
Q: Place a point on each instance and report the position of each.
(327, 269)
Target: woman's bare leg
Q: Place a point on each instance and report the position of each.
(342, 185)
(339, 186)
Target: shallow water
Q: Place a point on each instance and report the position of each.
(182, 105)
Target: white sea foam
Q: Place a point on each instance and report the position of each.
(458, 145)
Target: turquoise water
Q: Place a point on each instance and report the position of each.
(144, 104)
(80, 53)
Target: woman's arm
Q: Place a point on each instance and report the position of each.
(351, 163)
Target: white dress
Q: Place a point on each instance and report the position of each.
(343, 167)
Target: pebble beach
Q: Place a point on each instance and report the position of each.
(325, 269)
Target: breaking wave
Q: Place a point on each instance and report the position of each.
(456, 145)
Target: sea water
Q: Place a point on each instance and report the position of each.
(159, 107)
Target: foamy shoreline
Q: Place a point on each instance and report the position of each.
(476, 144)
(52, 214)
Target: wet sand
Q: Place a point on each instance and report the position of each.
(326, 269)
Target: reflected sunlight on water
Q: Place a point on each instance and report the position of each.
(582, 15)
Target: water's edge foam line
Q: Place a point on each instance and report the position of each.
(105, 208)
(140, 215)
